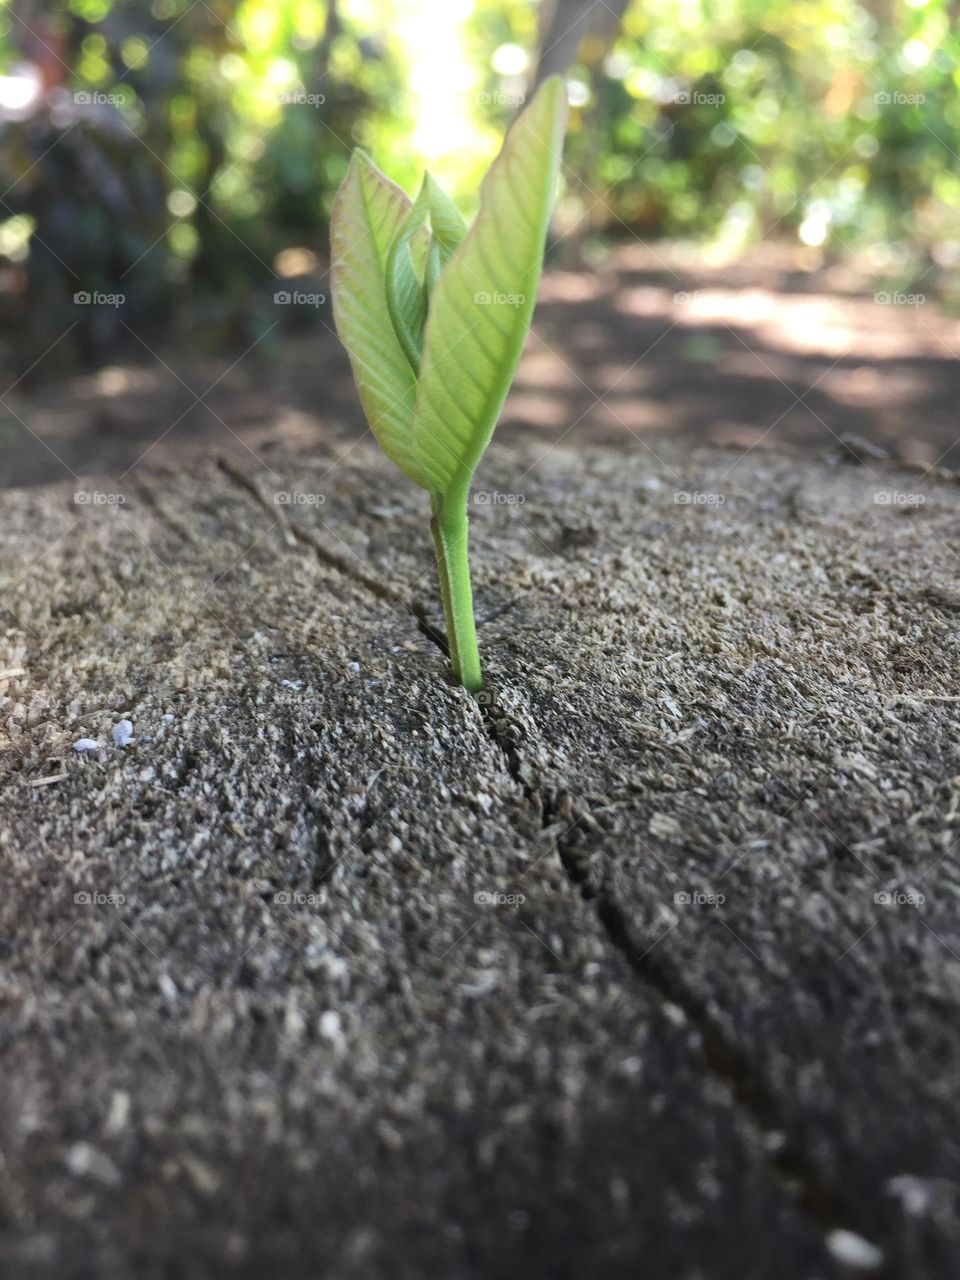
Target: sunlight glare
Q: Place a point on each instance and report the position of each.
(20, 93)
(442, 80)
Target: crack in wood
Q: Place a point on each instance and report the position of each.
(790, 1164)
(153, 503)
(334, 560)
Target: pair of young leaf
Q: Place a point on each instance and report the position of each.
(434, 317)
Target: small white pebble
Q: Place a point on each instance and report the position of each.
(336, 967)
(487, 980)
(915, 1194)
(853, 1251)
(674, 1013)
(86, 744)
(168, 717)
(122, 733)
(353, 668)
(292, 684)
(168, 988)
(330, 1027)
(119, 1114)
(85, 1161)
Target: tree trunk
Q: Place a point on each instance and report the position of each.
(566, 24)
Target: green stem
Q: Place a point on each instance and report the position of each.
(449, 526)
(436, 506)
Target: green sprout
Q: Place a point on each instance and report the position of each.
(434, 318)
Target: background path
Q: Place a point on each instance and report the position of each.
(654, 341)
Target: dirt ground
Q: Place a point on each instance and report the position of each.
(644, 963)
(772, 348)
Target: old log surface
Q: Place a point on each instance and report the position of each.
(645, 964)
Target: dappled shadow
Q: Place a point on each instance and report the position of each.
(758, 353)
(763, 352)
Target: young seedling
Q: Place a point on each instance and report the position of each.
(434, 318)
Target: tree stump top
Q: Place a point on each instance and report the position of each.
(644, 962)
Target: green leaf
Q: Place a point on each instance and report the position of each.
(367, 213)
(434, 323)
(407, 290)
(446, 222)
(482, 302)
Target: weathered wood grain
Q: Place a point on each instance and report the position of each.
(749, 694)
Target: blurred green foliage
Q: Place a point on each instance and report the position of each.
(830, 120)
(186, 154)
